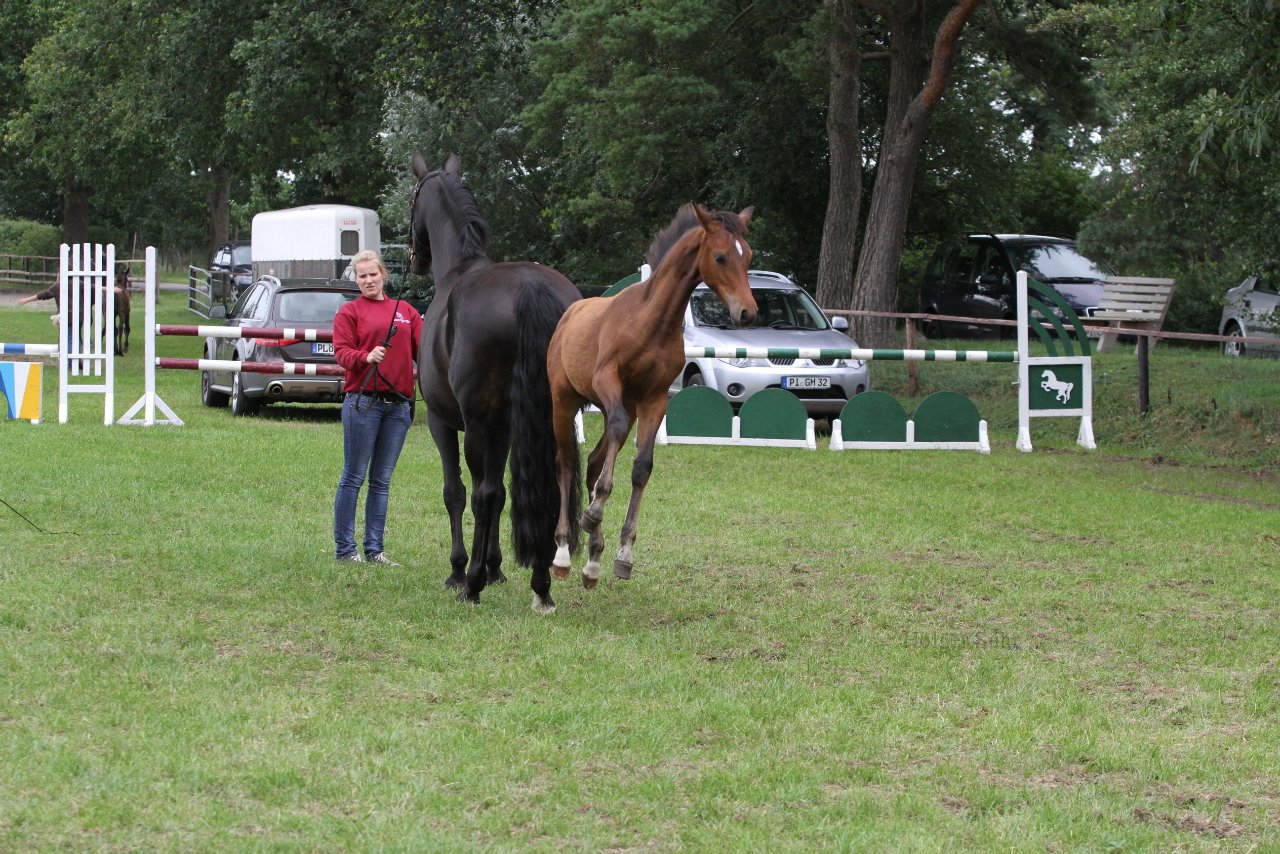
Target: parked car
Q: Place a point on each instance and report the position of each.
(976, 279)
(788, 317)
(271, 302)
(231, 268)
(1251, 310)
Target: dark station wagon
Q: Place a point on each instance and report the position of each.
(975, 279)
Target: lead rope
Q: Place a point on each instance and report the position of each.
(373, 366)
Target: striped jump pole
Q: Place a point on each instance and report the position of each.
(28, 349)
(280, 332)
(252, 367)
(283, 334)
(856, 353)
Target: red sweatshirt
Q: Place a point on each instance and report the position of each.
(361, 325)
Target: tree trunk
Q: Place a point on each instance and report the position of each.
(910, 107)
(844, 145)
(75, 212)
(218, 199)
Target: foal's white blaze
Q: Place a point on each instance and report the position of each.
(738, 243)
(562, 557)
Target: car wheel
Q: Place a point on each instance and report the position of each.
(1234, 347)
(241, 404)
(694, 379)
(208, 396)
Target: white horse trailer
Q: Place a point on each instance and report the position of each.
(313, 241)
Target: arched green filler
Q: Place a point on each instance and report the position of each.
(622, 283)
(873, 416)
(945, 416)
(700, 411)
(1051, 317)
(772, 414)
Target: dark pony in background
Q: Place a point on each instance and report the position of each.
(482, 372)
(122, 311)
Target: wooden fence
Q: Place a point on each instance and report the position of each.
(41, 271)
(28, 270)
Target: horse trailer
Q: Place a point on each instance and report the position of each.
(312, 241)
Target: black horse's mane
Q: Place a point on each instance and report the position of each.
(685, 220)
(475, 228)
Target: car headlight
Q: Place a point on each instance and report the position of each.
(745, 363)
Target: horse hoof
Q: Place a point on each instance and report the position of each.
(543, 606)
(560, 573)
(464, 596)
(455, 580)
(622, 569)
(496, 577)
(589, 583)
(591, 521)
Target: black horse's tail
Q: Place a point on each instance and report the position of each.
(535, 492)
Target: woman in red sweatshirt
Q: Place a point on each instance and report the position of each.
(376, 339)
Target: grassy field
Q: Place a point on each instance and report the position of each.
(1063, 650)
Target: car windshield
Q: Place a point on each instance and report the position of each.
(1055, 262)
(240, 256)
(778, 309)
(311, 306)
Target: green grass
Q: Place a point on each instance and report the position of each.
(858, 651)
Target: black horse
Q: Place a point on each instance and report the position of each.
(482, 368)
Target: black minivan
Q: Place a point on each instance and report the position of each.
(975, 279)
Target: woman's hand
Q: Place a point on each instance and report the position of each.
(376, 354)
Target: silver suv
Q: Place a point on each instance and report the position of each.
(1251, 310)
(788, 318)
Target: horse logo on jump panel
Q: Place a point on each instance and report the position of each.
(1061, 388)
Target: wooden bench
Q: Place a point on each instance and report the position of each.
(1132, 303)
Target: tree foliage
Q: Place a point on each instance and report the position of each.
(583, 125)
(1188, 180)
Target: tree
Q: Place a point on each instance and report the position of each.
(913, 97)
(1188, 177)
(77, 116)
(187, 96)
(21, 193)
(646, 106)
(844, 196)
(309, 101)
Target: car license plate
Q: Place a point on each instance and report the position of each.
(322, 348)
(801, 383)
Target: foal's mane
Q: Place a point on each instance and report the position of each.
(475, 228)
(685, 220)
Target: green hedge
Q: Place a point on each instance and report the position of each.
(26, 237)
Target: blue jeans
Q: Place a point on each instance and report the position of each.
(372, 435)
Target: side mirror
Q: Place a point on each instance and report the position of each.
(840, 323)
(217, 312)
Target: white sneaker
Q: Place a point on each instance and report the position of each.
(381, 557)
